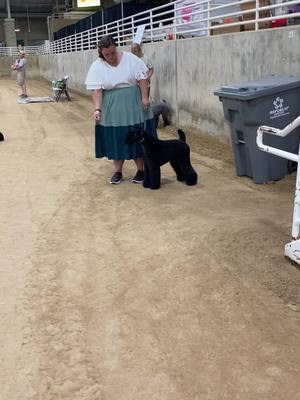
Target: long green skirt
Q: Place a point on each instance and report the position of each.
(122, 112)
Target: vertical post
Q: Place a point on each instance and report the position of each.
(49, 29)
(118, 34)
(97, 35)
(132, 28)
(256, 14)
(122, 10)
(208, 18)
(296, 214)
(174, 28)
(28, 24)
(174, 22)
(8, 9)
(176, 84)
(151, 26)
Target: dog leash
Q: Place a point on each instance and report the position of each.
(144, 130)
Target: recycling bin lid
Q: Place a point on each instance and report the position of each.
(259, 88)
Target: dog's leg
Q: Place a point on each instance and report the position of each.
(165, 118)
(176, 166)
(190, 175)
(154, 178)
(146, 181)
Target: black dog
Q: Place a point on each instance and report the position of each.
(1, 137)
(161, 108)
(159, 152)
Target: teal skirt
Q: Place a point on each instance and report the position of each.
(122, 112)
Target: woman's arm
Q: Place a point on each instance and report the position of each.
(97, 101)
(145, 93)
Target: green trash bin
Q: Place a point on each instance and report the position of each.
(273, 101)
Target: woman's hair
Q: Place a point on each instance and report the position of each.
(104, 43)
(136, 49)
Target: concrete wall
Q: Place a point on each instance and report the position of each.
(75, 64)
(188, 71)
(208, 63)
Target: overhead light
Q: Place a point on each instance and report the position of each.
(17, 30)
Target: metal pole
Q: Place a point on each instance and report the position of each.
(49, 30)
(8, 9)
(28, 24)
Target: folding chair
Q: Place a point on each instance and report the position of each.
(59, 87)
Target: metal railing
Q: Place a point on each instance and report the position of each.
(13, 51)
(177, 21)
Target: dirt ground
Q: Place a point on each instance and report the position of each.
(122, 293)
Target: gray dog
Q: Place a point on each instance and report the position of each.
(161, 108)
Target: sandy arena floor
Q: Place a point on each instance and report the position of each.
(122, 293)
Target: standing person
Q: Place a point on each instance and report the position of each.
(136, 49)
(119, 85)
(19, 66)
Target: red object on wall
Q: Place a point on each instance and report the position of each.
(277, 23)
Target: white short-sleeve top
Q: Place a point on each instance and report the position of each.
(147, 61)
(22, 63)
(129, 72)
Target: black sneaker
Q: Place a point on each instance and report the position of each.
(139, 177)
(117, 178)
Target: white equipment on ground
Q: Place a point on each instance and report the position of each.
(59, 87)
(292, 249)
(26, 100)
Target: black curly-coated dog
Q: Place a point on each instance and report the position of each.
(1, 137)
(159, 152)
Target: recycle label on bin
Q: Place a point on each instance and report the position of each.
(280, 109)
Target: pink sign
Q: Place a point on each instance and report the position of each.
(186, 13)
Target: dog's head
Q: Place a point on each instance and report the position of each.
(1, 137)
(135, 136)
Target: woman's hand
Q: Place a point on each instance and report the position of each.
(146, 103)
(97, 115)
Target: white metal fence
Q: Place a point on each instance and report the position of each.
(13, 51)
(182, 19)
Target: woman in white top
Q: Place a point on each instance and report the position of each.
(118, 81)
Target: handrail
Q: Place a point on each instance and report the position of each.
(292, 249)
(277, 132)
(13, 51)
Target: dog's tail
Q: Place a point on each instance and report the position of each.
(181, 134)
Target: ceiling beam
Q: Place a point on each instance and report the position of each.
(24, 15)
